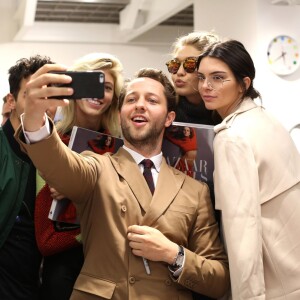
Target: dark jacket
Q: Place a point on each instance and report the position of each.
(19, 256)
(13, 179)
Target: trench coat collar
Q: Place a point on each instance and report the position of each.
(245, 105)
(168, 185)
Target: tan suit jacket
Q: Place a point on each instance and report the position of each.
(257, 188)
(110, 194)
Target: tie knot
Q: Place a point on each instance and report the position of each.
(147, 163)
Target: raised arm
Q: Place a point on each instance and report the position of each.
(38, 91)
(60, 166)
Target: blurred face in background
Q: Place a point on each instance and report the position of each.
(5, 112)
(108, 141)
(187, 131)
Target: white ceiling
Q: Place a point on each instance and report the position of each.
(102, 20)
(97, 11)
(125, 20)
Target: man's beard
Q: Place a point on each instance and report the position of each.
(147, 138)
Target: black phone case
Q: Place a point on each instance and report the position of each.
(88, 84)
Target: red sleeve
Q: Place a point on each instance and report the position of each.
(49, 240)
(185, 144)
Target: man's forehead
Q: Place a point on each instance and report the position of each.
(147, 83)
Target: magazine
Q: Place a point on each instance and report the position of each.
(189, 148)
(82, 139)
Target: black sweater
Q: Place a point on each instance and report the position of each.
(190, 113)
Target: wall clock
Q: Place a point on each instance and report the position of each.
(283, 55)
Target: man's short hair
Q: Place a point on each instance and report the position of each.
(24, 68)
(159, 76)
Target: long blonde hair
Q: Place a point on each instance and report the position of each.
(109, 119)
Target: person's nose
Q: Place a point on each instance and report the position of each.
(181, 71)
(140, 103)
(204, 84)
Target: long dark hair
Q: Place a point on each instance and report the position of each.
(237, 58)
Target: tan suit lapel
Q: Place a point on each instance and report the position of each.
(129, 170)
(168, 186)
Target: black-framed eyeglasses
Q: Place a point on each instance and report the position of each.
(214, 82)
(189, 64)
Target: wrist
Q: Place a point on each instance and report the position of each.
(171, 254)
(33, 122)
(178, 259)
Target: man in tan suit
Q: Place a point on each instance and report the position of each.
(136, 245)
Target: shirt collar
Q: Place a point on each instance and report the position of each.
(245, 105)
(157, 159)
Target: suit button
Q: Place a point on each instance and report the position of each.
(131, 280)
(123, 208)
(168, 282)
(188, 283)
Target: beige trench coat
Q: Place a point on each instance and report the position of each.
(257, 188)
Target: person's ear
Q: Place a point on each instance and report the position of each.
(247, 82)
(10, 99)
(170, 118)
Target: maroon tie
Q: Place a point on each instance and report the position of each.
(148, 164)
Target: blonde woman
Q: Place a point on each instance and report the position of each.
(182, 66)
(104, 110)
(183, 69)
(60, 242)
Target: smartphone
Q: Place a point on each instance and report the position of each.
(86, 84)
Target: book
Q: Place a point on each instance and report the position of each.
(188, 147)
(82, 139)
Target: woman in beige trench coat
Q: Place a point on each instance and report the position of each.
(257, 179)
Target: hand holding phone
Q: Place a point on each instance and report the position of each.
(86, 84)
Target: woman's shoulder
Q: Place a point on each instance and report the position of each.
(246, 116)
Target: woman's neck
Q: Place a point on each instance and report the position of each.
(224, 112)
(92, 123)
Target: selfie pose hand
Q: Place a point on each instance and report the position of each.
(39, 89)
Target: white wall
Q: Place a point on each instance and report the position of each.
(133, 57)
(142, 52)
(229, 19)
(255, 23)
(281, 95)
